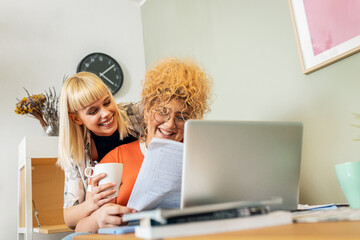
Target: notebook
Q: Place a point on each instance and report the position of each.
(117, 230)
(240, 161)
(129, 228)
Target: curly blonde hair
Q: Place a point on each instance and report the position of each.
(179, 79)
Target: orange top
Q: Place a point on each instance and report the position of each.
(131, 157)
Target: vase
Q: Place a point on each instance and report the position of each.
(51, 130)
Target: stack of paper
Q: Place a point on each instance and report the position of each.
(330, 215)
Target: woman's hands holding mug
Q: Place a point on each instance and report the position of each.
(100, 194)
(106, 180)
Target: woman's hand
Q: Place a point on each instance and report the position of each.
(100, 194)
(110, 215)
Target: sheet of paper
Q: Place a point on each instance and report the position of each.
(316, 207)
(158, 184)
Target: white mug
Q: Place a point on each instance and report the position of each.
(113, 173)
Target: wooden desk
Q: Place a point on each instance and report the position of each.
(308, 231)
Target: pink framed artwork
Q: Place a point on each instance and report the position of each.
(326, 31)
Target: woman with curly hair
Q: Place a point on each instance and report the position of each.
(173, 91)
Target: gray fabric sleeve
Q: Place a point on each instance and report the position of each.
(135, 114)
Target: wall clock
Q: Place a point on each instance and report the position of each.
(104, 66)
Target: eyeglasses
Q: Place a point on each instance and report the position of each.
(164, 116)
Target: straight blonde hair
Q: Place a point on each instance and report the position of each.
(77, 92)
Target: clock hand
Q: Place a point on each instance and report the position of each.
(102, 75)
(107, 69)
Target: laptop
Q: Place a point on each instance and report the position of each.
(241, 161)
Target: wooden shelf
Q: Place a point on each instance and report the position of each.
(40, 186)
(47, 191)
(53, 229)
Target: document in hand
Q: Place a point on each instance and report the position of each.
(158, 184)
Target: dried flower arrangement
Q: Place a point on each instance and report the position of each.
(43, 107)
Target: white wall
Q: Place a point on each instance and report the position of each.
(249, 49)
(247, 46)
(41, 41)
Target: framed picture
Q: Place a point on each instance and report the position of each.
(326, 31)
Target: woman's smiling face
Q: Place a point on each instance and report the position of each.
(166, 127)
(100, 117)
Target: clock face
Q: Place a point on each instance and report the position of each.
(104, 66)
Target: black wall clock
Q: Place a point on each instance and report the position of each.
(104, 66)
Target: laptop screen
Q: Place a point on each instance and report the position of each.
(241, 161)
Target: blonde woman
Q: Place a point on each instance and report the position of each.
(91, 125)
(173, 91)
